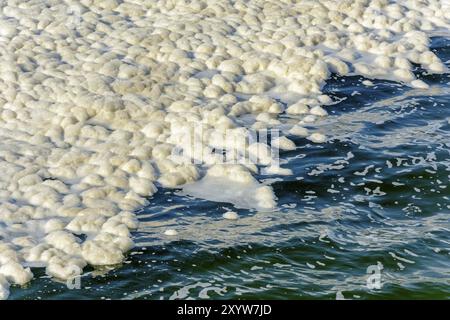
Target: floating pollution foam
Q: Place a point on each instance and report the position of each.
(233, 184)
(93, 93)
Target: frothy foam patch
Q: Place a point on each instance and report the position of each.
(92, 94)
(233, 184)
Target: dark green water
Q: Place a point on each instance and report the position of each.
(377, 194)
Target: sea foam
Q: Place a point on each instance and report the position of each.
(93, 95)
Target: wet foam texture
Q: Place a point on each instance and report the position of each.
(93, 93)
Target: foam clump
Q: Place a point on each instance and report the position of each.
(95, 102)
(234, 184)
(15, 273)
(317, 137)
(230, 215)
(419, 84)
(171, 232)
(4, 288)
(283, 143)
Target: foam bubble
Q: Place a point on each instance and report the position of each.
(317, 137)
(171, 232)
(230, 215)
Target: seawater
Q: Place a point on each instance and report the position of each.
(377, 195)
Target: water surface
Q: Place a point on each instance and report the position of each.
(377, 194)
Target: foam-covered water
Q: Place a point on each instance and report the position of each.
(331, 223)
(93, 105)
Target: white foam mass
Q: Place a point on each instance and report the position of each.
(4, 288)
(93, 94)
(230, 215)
(171, 232)
(234, 184)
